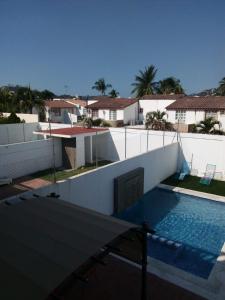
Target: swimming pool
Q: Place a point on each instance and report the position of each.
(197, 223)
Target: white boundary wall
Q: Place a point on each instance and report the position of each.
(28, 118)
(201, 149)
(18, 132)
(45, 125)
(94, 189)
(26, 158)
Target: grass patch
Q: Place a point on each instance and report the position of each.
(64, 174)
(216, 187)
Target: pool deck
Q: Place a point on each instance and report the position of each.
(192, 192)
(212, 288)
(21, 185)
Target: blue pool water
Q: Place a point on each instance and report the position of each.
(197, 223)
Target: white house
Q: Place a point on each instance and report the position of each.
(115, 110)
(80, 106)
(149, 103)
(61, 111)
(191, 110)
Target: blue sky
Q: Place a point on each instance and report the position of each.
(53, 43)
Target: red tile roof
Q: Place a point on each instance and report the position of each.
(162, 97)
(58, 104)
(73, 131)
(77, 102)
(199, 103)
(112, 103)
(98, 98)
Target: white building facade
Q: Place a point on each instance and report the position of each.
(192, 110)
(116, 110)
(60, 111)
(150, 103)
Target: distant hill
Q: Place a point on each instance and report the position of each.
(208, 92)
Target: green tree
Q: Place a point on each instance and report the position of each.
(156, 120)
(208, 126)
(221, 89)
(144, 82)
(113, 93)
(101, 86)
(169, 85)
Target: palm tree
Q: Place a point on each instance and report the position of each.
(155, 120)
(170, 85)
(113, 93)
(221, 88)
(144, 84)
(101, 86)
(207, 126)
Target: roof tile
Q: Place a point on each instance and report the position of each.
(198, 103)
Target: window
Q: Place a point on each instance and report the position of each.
(94, 114)
(180, 115)
(56, 111)
(211, 114)
(112, 115)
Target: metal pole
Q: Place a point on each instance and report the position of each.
(24, 134)
(125, 142)
(53, 151)
(96, 150)
(147, 140)
(164, 136)
(144, 261)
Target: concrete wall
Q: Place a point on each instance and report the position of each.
(26, 158)
(200, 148)
(94, 189)
(131, 114)
(28, 118)
(19, 132)
(80, 151)
(45, 125)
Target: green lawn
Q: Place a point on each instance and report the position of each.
(216, 187)
(61, 175)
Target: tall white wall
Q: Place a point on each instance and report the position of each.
(19, 132)
(28, 118)
(131, 114)
(94, 189)
(200, 148)
(26, 158)
(45, 125)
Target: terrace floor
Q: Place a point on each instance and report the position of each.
(42, 178)
(216, 187)
(119, 281)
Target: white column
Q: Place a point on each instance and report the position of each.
(80, 151)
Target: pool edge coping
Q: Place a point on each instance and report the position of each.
(176, 189)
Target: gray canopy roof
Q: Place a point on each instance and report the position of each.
(43, 240)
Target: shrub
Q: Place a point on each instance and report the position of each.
(97, 122)
(119, 124)
(105, 124)
(87, 122)
(12, 118)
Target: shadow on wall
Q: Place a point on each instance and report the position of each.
(106, 148)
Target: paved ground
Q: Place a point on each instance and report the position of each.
(21, 185)
(121, 281)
